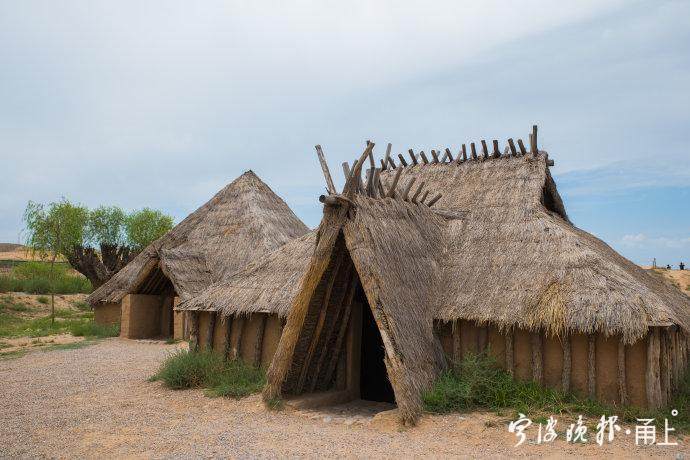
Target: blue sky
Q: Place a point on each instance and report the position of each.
(161, 103)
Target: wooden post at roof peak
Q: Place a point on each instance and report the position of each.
(326, 172)
(413, 157)
(396, 178)
(409, 185)
(523, 150)
(402, 160)
(497, 151)
(485, 150)
(473, 148)
(511, 144)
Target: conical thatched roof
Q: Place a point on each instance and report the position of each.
(241, 223)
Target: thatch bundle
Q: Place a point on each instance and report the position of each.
(242, 222)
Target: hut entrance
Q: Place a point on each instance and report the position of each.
(148, 312)
(374, 384)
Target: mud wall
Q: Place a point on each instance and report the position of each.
(107, 313)
(462, 337)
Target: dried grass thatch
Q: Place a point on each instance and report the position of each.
(243, 221)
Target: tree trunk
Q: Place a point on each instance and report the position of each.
(97, 269)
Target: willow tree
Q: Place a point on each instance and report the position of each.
(53, 230)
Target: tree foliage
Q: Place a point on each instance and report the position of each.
(145, 226)
(97, 243)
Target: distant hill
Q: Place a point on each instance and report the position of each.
(9, 247)
(679, 278)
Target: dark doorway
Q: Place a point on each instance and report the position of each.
(373, 383)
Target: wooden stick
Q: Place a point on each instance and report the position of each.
(434, 200)
(445, 155)
(409, 185)
(259, 341)
(537, 358)
(591, 366)
(236, 351)
(474, 150)
(435, 157)
(319, 324)
(464, 153)
(511, 144)
(567, 364)
(510, 356)
(227, 324)
(210, 329)
(388, 154)
(391, 190)
(346, 170)
(402, 160)
(457, 341)
(370, 181)
(523, 150)
(497, 151)
(534, 139)
(391, 162)
(343, 329)
(418, 191)
(449, 155)
(424, 195)
(423, 157)
(383, 165)
(413, 157)
(652, 377)
(372, 163)
(376, 184)
(194, 331)
(622, 386)
(326, 172)
(485, 150)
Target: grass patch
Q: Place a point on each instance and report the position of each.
(235, 379)
(34, 278)
(93, 329)
(477, 382)
(81, 305)
(43, 299)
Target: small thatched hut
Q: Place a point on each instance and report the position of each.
(243, 221)
(437, 258)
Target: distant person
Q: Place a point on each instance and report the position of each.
(681, 265)
(668, 267)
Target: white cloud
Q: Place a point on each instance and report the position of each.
(641, 240)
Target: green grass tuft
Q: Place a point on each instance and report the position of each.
(93, 329)
(43, 299)
(477, 382)
(184, 369)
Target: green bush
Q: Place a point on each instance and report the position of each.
(42, 299)
(93, 329)
(34, 278)
(477, 382)
(184, 369)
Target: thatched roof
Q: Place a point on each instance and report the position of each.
(511, 257)
(241, 223)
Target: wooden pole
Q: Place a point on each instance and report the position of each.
(523, 150)
(409, 185)
(413, 157)
(236, 351)
(537, 358)
(473, 148)
(326, 171)
(510, 356)
(511, 144)
(567, 364)
(497, 152)
(485, 150)
(464, 152)
(449, 155)
(402, 159)
(664, 367)
(388, 154)
(652, 377)
(210, 330)
(227, 323)
(344, 323)
(396, 178)
(193, 331)
(457, 341)
(534, 139)
(434, 155)
(591, 366)
(424, 195)
(346, 170)
(434, 200)
(422, 155)
(622, 385)
(259, 342)
(372, 164)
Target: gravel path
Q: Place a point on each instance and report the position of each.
(96, 402)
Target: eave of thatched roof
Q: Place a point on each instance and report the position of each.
(266, 285)
(242, 222)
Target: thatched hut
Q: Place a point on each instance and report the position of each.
(243, 221)
(433, 259)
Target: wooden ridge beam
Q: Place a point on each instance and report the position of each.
(326, 172)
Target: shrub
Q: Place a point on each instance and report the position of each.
(184, 369)
(93, 329)
(34, 278)
(42, 299)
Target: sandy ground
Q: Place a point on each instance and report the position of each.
(96, 402)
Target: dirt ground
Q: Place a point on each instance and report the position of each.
(96, 402)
